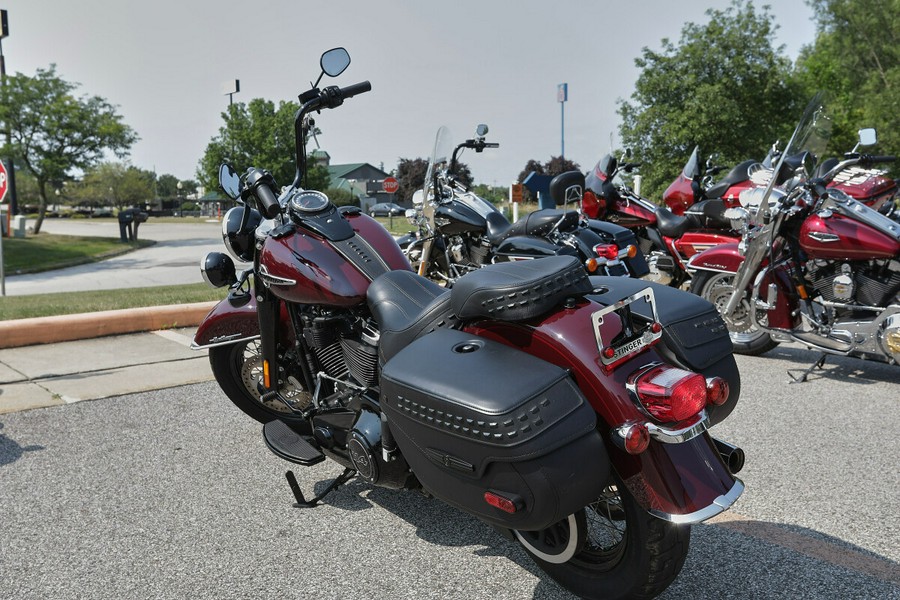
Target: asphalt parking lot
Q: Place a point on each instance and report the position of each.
(172, 494)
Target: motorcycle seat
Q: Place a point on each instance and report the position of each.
(407, 306)
(739, 173)
(538, 223)
(708, 214)
(520, 290)
(671, 225)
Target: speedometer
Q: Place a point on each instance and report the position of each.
(309, 201)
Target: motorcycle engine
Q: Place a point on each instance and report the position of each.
(867, 283)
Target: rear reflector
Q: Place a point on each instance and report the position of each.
(501, 502)
(670, 394)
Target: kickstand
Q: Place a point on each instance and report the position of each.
(302, 502)
(816, 365)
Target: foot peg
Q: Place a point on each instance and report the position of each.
(286, 443)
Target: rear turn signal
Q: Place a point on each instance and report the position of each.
(636, 438)
(591, 265)
(716, 391)
(671, 394)
(632, 250)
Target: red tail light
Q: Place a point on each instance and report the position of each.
(607, 251)
(671, 394)
(716, 390)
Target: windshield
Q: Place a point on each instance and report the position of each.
(811, 135)
(692, 168)
(440, 156)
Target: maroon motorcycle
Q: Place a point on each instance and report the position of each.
(668, 240)
(814, 265)
(569, 412)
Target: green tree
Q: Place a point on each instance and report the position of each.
(255, 134)
(115, 184)
(411, 177)
(55, 133)
(724, 87)
(856, 59)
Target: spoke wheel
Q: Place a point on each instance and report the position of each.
(747, 336)
(611, 548)
(238, 368)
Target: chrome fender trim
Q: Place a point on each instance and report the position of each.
(719, 505)
(223, 340)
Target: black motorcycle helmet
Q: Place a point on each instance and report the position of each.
(239, 242)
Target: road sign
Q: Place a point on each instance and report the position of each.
(4, 181)
(516, 192)
(390, 185)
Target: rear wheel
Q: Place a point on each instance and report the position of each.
(238, 368)
(746, 336)
(611, 548)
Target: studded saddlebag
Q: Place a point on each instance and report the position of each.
(471, 416)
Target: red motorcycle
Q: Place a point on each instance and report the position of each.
(814, 265)
(568, 412)
(668, 240)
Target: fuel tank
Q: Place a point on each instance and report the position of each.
(302, 265)
(455, 218)
(835, 236)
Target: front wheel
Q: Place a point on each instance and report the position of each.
(611, 548)
(238, 368)
(746, 336)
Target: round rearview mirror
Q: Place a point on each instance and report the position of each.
(867, 137)
(481, 130)
(335, 61)
(230, 181)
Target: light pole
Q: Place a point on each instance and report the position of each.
(562, 94)
(230, 90)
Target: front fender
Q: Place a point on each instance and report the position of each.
(231, 320)
(724, 258)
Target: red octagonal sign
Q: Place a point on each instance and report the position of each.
(390, 185)
(4, 181)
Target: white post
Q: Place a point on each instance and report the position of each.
(514, 205)
(637, 185)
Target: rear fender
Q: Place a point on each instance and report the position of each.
(679, 481)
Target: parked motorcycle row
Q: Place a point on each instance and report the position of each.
(563, 404)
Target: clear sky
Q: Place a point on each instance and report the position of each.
(164, 64)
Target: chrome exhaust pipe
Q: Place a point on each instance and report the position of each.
(732, 456)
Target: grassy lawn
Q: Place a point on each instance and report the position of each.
(68, 303)
(45, 251)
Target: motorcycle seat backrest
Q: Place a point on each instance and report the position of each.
(708, 214)
(738, 174)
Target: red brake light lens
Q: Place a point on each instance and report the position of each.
(671, 394)
(607, 251)
(637, 438)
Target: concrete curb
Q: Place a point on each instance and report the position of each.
(65, 328)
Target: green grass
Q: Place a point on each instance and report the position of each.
(67, 303)
(45, 252)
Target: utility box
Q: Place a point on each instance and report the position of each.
(18, 226)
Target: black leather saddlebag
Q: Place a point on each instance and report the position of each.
(694, 335)
(472, 416)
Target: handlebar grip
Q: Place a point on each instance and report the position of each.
(268, 203)
(492, 144)
(356, 88)
(880, 159)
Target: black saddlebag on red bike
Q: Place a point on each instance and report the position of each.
(492, 430)
(694, 335)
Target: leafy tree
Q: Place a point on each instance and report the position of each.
(167, 186)
(723, 87)
(54, 133)
(410, 176)
(532, 166)
(856, 59)
(255, 134)
(114, 184)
